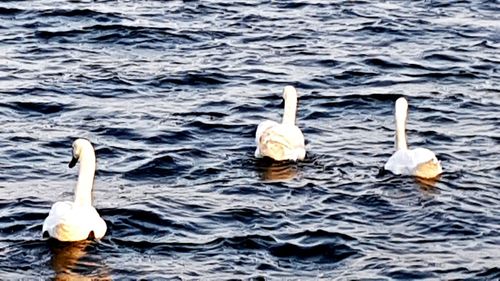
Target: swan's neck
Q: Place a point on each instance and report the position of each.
(401, 131)
(290, 111)
(83, 191)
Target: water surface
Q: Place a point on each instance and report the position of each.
(170, 94)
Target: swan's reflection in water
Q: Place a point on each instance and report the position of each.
(427, 184)
(71, 262)
(276, 171)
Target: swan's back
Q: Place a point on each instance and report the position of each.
(67, 222)
(420, 162)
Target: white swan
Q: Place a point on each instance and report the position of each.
(420, 162)
(75, 221)
(282, 141)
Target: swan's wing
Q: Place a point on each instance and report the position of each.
(297, 142)
(60, 208)
(300, 144)
(64, 223)
(422, 155)
(282, 142)
(261, 128)
(426, 164)
(57, 211)
(400, 163)
(97, 224)
(88, 220)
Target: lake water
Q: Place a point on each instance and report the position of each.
(170, 94)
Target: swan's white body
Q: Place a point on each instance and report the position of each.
(75, 221)
(282, 141)
(420, 162)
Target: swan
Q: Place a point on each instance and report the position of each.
(282, 141)
(77, 220)
(420, 162)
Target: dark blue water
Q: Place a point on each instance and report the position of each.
(170, 93)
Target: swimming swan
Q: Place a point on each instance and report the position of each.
(420, 162)
(75, 221)
(282, 141)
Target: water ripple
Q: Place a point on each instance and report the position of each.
(170, 94)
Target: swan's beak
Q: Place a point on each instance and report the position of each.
(73, 162)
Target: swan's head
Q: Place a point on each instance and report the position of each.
(79, 146)
(289, 93)
(401, 109)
